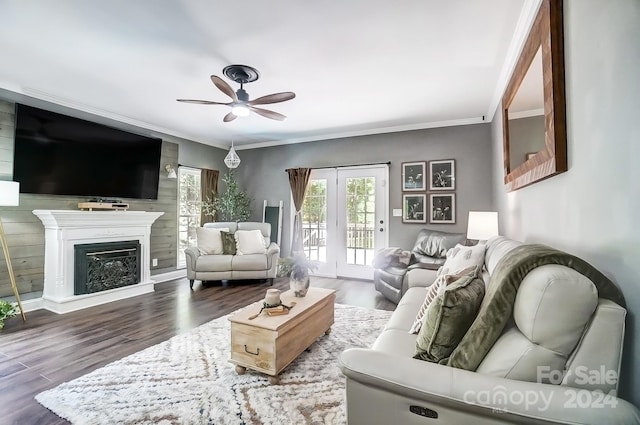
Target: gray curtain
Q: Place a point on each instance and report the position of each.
(298, 179)
(208, 190)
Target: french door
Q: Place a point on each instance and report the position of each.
(344, 216)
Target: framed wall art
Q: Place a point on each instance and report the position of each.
(442, 174)
(413, 208)
(442, 208)
(414, 176)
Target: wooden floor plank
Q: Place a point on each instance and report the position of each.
(49, 349)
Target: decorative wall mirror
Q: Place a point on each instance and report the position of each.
(533, 105)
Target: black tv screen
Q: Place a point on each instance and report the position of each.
(60, 155)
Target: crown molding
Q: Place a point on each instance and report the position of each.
(367, 132)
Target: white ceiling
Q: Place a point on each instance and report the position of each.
(356, 66)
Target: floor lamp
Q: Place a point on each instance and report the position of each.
(9, 197)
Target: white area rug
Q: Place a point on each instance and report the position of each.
(189, 380)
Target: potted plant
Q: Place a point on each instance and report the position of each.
(297, 268)
(232, 205)
(7, 311)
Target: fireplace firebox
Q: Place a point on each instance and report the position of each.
(103, 266)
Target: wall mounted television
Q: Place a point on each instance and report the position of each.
(57, 154)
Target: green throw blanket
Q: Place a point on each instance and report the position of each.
(501, 295)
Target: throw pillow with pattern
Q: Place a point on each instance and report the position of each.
(461, 257)
(228, 243)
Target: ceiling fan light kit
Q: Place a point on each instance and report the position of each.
(240, 111)
(240, 104)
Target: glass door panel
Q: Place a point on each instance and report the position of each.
(361, 228)
(189, 204)
(318, 213)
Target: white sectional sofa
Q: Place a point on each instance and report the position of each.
(560, 330)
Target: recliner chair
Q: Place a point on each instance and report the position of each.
(428, 253)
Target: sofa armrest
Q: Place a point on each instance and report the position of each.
(478, 395)
(192, 253)
(273, 253)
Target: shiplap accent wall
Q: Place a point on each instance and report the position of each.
(25, 232)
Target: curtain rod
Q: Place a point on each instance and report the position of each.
(344, 166)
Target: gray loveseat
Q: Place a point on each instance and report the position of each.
(234, 267)
(561, 332)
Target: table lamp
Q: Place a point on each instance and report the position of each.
(9, 197)
(482, 225)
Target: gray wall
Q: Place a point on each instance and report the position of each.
(262, 173)
(25, 232)
(591, 210)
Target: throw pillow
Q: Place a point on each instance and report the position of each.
(437, 287)
(461, 257)
(449, 317)
(228, 243)
(209, 240)
(249, 242)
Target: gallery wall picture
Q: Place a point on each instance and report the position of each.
(442, 174)
(414, 208)
(442, 208)
(414, 176)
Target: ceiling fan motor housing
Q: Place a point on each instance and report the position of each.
(243, 96)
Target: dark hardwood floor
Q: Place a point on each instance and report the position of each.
(49, 349)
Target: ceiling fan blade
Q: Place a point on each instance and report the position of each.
(202, 102)
(268, 114)
(224, 87)
(273, 98)
(229, 117)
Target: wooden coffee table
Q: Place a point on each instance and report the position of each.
(268, 344)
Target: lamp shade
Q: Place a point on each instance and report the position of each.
(482, 225)
(9, 193)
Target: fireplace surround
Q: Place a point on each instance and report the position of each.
(64, 229)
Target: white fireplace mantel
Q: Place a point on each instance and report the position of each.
(66, 228)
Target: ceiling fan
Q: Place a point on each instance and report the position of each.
(240, 103)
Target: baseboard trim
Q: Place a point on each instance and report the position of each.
(32, 304)
(173, 275)
(38, 303)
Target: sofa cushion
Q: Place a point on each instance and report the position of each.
(448, 317)
(553, 306)
(402, 317)
(209, 240)
(433, 290)
(249, 242)
(228, 243)
(516, 357)
(214, 263)
(462, 257)
(249, 262)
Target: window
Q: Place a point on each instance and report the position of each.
(189, 204)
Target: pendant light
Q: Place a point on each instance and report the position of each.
(232, 160)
